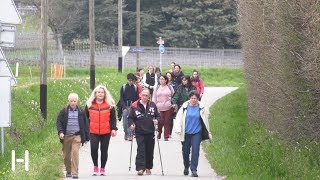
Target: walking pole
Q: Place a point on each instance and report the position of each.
(131, 150)
(159, 150)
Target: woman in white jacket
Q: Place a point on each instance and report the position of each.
(192, 125)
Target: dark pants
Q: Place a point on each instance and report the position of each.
(165, 118)
(144, 158)
(191, 141)
(104, 140)
(173, 116)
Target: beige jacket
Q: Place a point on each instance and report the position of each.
(179, 122)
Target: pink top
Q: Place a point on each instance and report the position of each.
(162, 97)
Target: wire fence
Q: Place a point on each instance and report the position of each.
(27, 52)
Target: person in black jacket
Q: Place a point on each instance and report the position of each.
(150, 79)
(128, 94)
(143, 117)
(72, 126)
(177, 76)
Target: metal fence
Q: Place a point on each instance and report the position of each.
(108, 56)
(27, 52)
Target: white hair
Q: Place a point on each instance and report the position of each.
(108, 97)
(73, 95)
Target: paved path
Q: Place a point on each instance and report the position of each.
(117, 167)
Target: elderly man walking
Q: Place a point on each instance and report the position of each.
(72, 126)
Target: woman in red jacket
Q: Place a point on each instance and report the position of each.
(197, 82)
(101, 113)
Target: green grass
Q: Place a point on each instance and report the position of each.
(248, 151)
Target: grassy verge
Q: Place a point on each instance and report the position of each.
(247, 151)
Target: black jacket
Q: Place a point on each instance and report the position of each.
(143, 118)
(62, 122)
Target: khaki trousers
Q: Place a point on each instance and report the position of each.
(71, 147)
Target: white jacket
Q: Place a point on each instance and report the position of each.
(179, 122)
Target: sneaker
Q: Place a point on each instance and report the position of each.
(148, 171)
(166, 139)
(68, 174)
(194, 174)
(129, 138)
(140, 172)
(95, 170)
(102, 172)
(186, 171)
(75, 177)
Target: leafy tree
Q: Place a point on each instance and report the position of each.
(201, 23)
(66, 19)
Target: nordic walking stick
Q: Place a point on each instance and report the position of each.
(159, 151)
(131, 150)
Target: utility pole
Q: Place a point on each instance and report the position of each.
(138, 25)
(43, 61)
(92, 44)
(120, 60)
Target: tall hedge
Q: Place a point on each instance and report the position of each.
(281, 45)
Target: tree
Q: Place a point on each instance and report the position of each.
(66, 18)
(204, 23)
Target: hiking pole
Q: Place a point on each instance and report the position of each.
(131, 150)
(159, 149)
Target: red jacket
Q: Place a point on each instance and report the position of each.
(198, 83)
(102, 118)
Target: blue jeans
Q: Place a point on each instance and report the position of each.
(192, 141)
(126, 129)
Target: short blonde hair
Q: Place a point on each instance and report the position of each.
(73, 95)
(108, 97)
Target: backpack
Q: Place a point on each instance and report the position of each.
(124, 87)
(119, 108)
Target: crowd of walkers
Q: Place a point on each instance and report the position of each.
(152, 105)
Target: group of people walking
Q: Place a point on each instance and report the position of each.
(149, 102)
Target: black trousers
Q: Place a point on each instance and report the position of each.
(145, 151)
(104, 140)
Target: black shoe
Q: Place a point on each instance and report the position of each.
(68, 174)
(75, 177)
(166, 139)
(194, 174)
(159, 136)
(186, 171)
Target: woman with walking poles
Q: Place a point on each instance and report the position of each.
(143, 118)
(191, 124)
(101, 113)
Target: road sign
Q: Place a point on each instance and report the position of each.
(160, 41)
(9, 13)
(125, 49)
(161, 48)
(5, 102)
(5, 70)
(7, 35)
(135, 50)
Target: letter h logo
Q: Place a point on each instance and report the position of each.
(25, 160)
